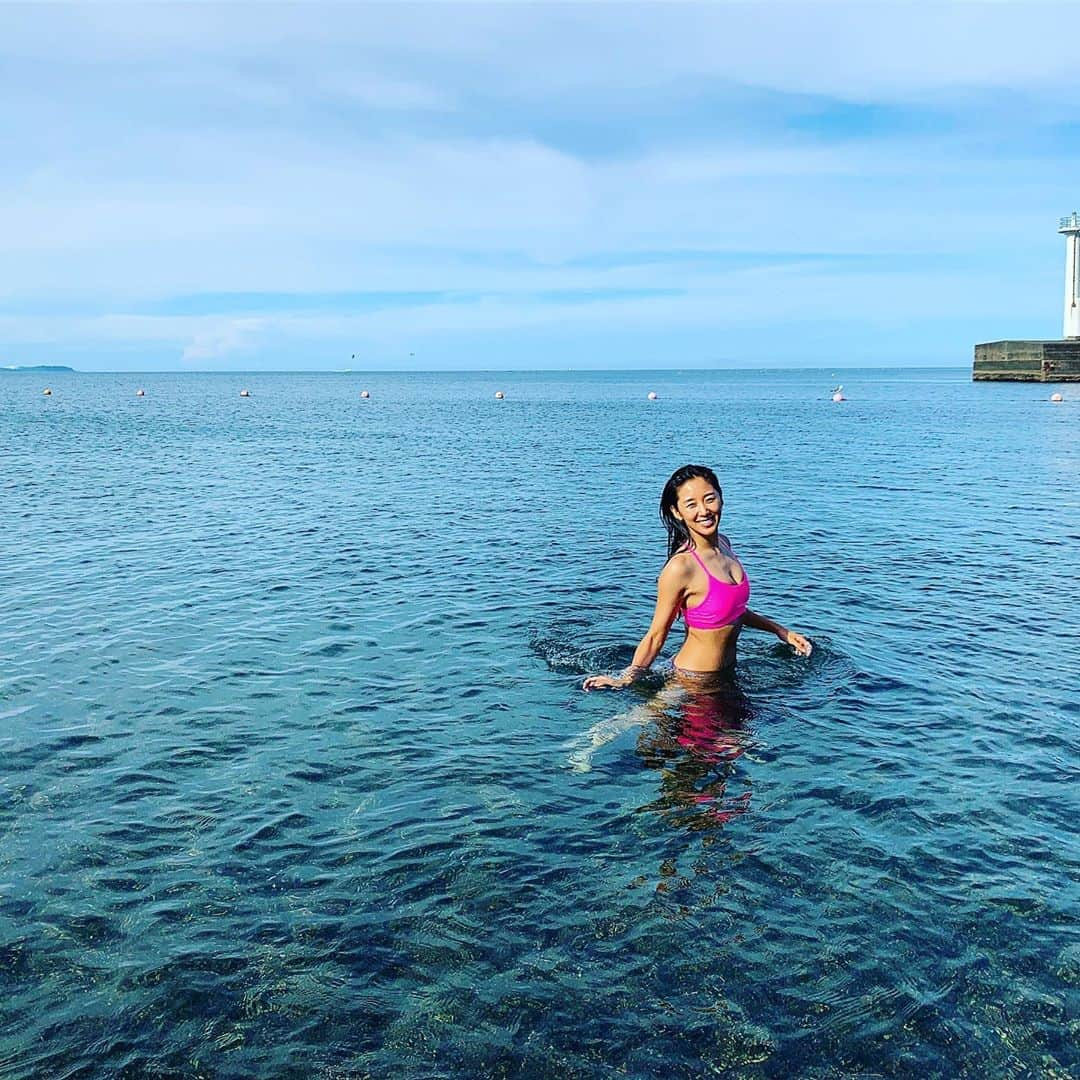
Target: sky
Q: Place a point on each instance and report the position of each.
(516, 185)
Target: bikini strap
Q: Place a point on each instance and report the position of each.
(700, 562)
(709, 574)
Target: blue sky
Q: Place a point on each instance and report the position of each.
(254, 186)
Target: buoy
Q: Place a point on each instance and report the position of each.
(499, 395)
(1056, 398)
(140, 393)
(365, 394)
(245, 393)
(838, 397)
(652, 395)
(47, 391)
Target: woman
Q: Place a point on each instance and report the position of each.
(704, 582)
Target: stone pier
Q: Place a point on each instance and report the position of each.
(1028, 361)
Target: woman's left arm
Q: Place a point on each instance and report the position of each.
(798, 642)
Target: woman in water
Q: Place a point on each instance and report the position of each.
(705, 583)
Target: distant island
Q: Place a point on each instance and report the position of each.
(37, 367)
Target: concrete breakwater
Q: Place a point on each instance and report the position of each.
(1028, 361)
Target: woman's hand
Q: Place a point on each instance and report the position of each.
(605, 682)
(802, 645)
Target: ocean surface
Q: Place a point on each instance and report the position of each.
(297, 778)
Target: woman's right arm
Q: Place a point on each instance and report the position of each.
(670, 591)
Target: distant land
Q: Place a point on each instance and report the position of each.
(37, 367)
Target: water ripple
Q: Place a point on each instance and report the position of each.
(291, 711)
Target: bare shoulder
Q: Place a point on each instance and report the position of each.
(677, 569)
(725, 540)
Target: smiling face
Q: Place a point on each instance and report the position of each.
(699, 506)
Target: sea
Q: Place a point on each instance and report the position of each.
(297, 778)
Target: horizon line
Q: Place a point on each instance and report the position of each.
(37, 369)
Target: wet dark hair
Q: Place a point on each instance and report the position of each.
(678, 536)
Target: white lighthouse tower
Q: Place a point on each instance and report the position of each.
(1070, 226)
(1042, 361)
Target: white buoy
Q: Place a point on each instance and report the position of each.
(838, 397)
(499, 395)
(47, 391)
(140, 393)
(245, 393)
(652, 395)
(365, 394)
(1056, 398)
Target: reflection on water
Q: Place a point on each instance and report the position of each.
(692, 731)
(697, 736)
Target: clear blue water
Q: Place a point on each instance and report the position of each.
(290, 711)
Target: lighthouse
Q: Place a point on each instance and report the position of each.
(1042, 361)
(1070, 226)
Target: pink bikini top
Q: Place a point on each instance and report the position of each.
(723, 605)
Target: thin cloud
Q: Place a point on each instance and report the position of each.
(222, 340)
(519, 156)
